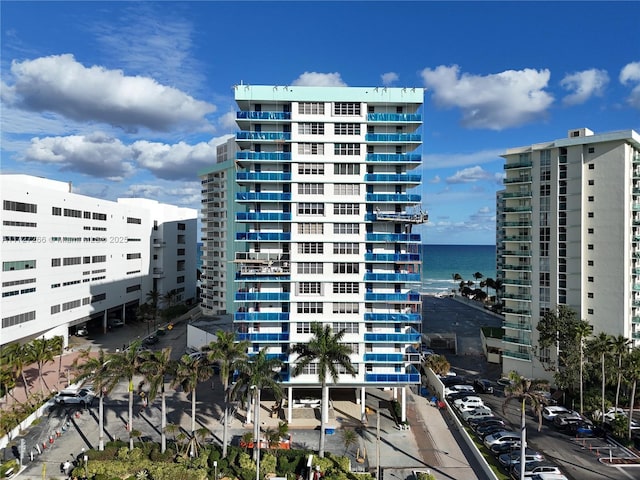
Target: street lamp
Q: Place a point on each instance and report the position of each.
(256, 430)
(215, 470)
(86, 466)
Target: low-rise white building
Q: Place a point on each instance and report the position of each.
(69, 259)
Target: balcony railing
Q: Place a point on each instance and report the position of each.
(517, 355)
(263, 217)
(526, 327)
(253, 115)
(526, 194)
(525, 179)
(383, 357)
(391, 277)
(393, 137)
(413, 337)
(393, 198)
(517, 253)
(262, 297)
(392, 257)
(263, 176)
(394, 117)
(393, 317)
(519, 341)
(263, 236)
(411, 376)
(263, 196)
(510, 166)
(410, 297)
(263, 337)
(269, 156)
(392, 178)
(526, 223)
(515, 311)
(523, 208)
(261, 317)
(393, 237)
(517, 238)
(263, 136)
(394, 157)
(516, 281)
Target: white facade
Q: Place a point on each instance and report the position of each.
(325, 225)
(69, 259)
(571, 236)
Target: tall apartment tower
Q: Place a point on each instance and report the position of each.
(326, 236)
(571, 236)
(218, 231)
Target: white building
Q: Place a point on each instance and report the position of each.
(326, 226)
(69, 260)
(571, 236)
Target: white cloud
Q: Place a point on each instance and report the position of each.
(96, 155)
(228, 121)
(177, 161)
(315, 79)
(584, 85)
(469, 175)
(61, 85)
(180, 193)
(498, 101)
(630, 74)
(389, 78)
(443, 160)
(435, 179)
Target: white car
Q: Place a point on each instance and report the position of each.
(548, 476)
(503, 436)
(534, 468)
(611, 413)
(458, 388)
(468, 400)
(74, 396)
(480, 412)
(550, 412)
(470, 405)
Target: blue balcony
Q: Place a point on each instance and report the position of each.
(263, 337)
(391, 277)
(393, 137)
(414, 337)
(393, 317)
(263, 136)
(261, 297)
(393, 237)
(263, 236)
(246, 275)
(261, 317)
(268, 156)
(263, 197)
(393, 198)
(383, 357)
(521, 179)
(392, 178)
(394, 157)
(392, 297)
(263, 217)
(263, 177)
(394, 117)
(525, 164)
(391, 257)
(411, 376)
(252, 115)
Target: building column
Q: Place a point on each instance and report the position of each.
(363, 401)
(403, 414)
(289, 404)
(104, 322)
(123, 317)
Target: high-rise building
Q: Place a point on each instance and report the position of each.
(219, 231)
(325, 226)
(69, 260)
(571, 236)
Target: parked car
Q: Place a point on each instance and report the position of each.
(550, 412)
(458, 388)
(505, 447)
(480, 412)
(75, 396)
(468, 402)
(115, 322)
(503, 436)
(483, 385)
(450, 381)
(151, 340)
(508, 459)
(548, 476)
(533, 468)
(485, 422)
(456, 395)
(584, 429)
(563, 420)
(82, 331)
(489, 430)
(612, 412)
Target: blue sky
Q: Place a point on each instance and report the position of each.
(131, 99)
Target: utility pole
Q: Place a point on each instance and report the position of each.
(378, 442)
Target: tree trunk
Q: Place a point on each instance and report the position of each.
(523, 438)
(101, 422)
(225, 427)
(163, 421)
(323, 425)
(633, 399)
(619, 381)
(581, 379)
(130, 414)
(603, 386)
(193, 412)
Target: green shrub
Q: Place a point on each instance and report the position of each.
(425, 476)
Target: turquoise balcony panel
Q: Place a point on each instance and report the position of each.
(507, 266)
(391, 257)
(393, 237)
(263, 177)
(392, 297)
(393, 137)
(516, 281)
(394, 117)
(267, 156)
(393, 198)
(263, 196)
(263, 337)
(519, 341)
(519, 209)
(526, 327)
(261, 317)
(516, 296)
(391, 277)
(411, 376)
(263, 236)
(252, 115)
(392, 337)
(392, 178)
(261, 297)
(384, 357)
(263, 217)
(263, 136)
(394, 157)
(393, 317)
(248, 276)
(527, 194)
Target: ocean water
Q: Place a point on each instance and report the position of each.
(440, 262)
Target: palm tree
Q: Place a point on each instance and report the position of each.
(124, 365)
(96, 368)
(457, 278)
(582, 331)
(57, 347)
(438, 363)
(330, 353)
(525, 390)
(227, 353)
(7, 379)
(256, 373)
(156, 366)
(620, 347)
(189, 372)
(478, 276)
(600, 346)
(632, 373)
(39, 352)
(153, 297)
(170, 297)
(16, 355)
